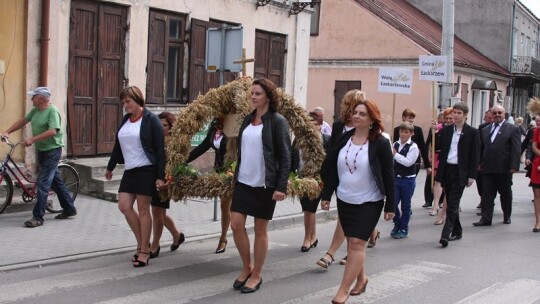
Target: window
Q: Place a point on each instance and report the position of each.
(165, 58)
(315, 20)
(270, 56)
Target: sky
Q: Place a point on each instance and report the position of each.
(533, 5)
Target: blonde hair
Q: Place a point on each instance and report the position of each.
(349, 102)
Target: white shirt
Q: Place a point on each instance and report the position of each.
(496, 131)
(359, 186)
(325, 128)
(130, 143)
(411, 157)
(453, 153)
(252, 171)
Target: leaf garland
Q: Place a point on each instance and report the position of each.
(234, 98)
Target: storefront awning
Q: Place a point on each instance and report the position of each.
(484, 85)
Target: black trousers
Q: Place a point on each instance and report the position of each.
(453, 191)
(493, 183)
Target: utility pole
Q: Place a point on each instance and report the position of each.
(447, 49)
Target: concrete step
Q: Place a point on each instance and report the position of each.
(93, 181)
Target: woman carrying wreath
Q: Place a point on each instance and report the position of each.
(309, 206)
(264, 163)
(217, 140)
(140, 147)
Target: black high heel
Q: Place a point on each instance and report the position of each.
(156, 253)
(221, 249)
(246, 289)
(239, 284)
(142, 263)
(135, 256)
(181, 240)
(312, 245)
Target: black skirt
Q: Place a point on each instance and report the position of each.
(358, 221)
(254, 201)
(310, 205)
(141, 180)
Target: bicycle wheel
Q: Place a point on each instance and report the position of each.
(6, 191)
(71, 179)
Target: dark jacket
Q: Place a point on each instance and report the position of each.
(295, 159)
(468, 153)
(276, 149)
(501, 155)
(208, 143)
(152, 140)
(418, 138)
(381, 162)
(337, 131)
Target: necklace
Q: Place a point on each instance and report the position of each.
(137, 118)
(347, 153)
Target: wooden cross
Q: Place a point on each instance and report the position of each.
(243, 61)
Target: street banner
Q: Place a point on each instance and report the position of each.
(393, 80)
(433, 68)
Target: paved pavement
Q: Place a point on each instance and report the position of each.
(101, 229)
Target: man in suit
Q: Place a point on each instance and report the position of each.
(501, 144)
(487, 122)
(409, 115)
(458, 166)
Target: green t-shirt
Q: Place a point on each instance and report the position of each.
(43, 121)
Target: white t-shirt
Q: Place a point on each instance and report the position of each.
(130, 142)
(252, 171)
(359, 186)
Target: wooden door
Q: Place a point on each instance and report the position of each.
(270, 51)
(341, 88)
(96, 75)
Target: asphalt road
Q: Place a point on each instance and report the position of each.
(497, 264)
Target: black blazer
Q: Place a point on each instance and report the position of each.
(208, 143)
(418, 138)
(381, 162)
(501, 155)
(152, 140)
(468, 153)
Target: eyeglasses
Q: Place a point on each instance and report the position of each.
(497, 112)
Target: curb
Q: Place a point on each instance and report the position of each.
(275, 224)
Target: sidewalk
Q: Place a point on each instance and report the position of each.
(100, 228)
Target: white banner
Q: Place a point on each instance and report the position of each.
(392, 80)
(433, 68)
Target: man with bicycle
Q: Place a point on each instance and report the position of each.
(47, 137)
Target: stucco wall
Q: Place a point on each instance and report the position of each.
(273, 17)
(12, 52)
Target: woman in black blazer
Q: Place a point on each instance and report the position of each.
(360, 170)
(217, 140)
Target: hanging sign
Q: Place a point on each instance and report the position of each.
(433, 68)
(393, 80)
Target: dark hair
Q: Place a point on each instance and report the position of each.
(270, 90)
(316, 117)
(171, 119)
(134, 93)
(461, 106)
(374, 113)
(218, 122)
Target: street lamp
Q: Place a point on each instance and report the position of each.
(299, 5)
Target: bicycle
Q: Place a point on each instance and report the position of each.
(9, 171)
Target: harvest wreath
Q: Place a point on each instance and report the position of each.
(184, 182)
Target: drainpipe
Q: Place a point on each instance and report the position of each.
(44, 42)
(510, 91)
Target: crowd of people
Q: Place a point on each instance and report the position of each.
(369, 174)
